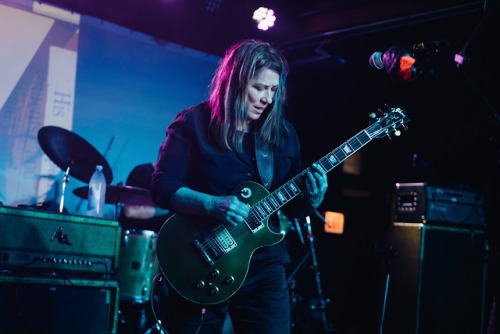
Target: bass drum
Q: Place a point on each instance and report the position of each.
(138, 265)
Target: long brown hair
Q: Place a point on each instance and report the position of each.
(228, 98)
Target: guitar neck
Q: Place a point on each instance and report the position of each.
(284, 194)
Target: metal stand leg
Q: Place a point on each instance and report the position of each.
(315, 268)
(308, 242)
(384, 303)
(388, 256)
(65, 180)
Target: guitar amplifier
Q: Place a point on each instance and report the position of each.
(438, 279)
(421, 203)
(58, 305)
(32, 239)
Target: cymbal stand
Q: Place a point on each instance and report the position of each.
(118, 210)
(65, 180)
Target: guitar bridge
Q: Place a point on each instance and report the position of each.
(215, 244)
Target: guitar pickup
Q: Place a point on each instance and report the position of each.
(223, 238)
(215, 244)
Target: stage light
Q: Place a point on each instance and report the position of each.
(334, 222)
(264, 17)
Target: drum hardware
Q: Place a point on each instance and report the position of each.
(134, 317)
(318, 305)
(119, 195)
(73, 154)
(138, 265)
(137, 268)
(65, 180)
(159, 291)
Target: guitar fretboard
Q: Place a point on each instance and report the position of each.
(274, 201)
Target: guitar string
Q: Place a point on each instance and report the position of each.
(323, 162)
(254, 216)
(353, 146)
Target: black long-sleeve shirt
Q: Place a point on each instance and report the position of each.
(188, 159)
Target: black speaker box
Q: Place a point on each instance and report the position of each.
(48, 305)
(437, 280)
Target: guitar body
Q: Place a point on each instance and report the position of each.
(202, 275)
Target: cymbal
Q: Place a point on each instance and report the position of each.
(120, 194)
(67, 149)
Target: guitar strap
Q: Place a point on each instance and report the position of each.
(265, 162)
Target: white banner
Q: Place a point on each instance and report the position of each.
(59, 105)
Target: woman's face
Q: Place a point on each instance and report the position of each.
(260, 92)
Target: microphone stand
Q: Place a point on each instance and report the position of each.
(315, 268)
(387, 258)
(310, 253)
(460, 59)
(290, 281)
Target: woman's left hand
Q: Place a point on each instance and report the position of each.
(316, 185)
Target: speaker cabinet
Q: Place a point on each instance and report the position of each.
(47, 305)
(437, 280)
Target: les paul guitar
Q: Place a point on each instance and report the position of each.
(206, 261)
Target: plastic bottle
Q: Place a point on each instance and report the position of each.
(97, 193)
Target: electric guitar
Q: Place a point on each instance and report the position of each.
(206, 261)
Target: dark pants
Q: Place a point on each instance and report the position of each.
(261, 306)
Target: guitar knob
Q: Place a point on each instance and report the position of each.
(214, 273)
(200, 285)
(214, 290)
(229, 280)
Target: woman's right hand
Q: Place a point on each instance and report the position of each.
(228, 209)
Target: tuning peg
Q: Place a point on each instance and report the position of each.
(404, 127)
(397, 133)
(388, 136)
(373, 115)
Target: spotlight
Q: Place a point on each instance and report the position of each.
(264, 17)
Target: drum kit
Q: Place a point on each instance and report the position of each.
(137, 259)
(138, 264)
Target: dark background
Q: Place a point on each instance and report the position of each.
(454, 132)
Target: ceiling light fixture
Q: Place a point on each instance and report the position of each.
(264, 17)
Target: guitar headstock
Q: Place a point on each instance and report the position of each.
(386, 121)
